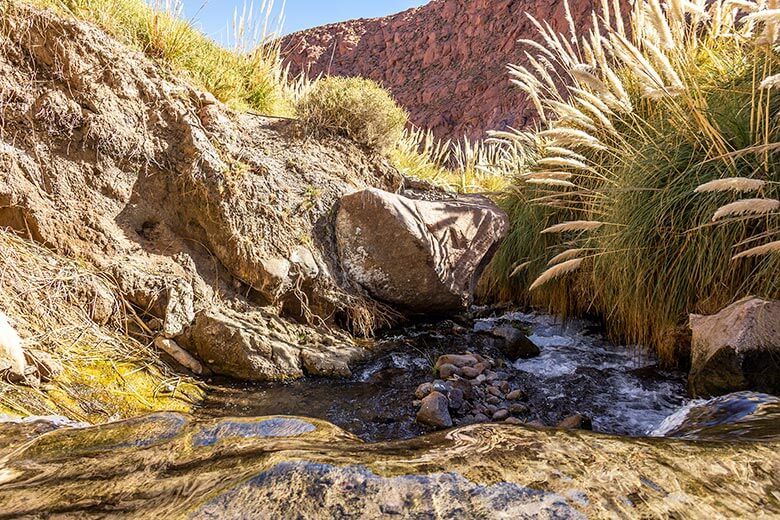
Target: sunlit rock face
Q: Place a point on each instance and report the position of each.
(445, 62)
(170, 465)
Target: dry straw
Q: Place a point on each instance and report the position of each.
(556, 272)
(756, 207)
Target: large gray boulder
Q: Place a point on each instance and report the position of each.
(418, 255)
(736, 349)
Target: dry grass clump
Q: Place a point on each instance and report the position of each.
(107, 374)
(649, 127)
(464, 166)
(248, 76)
(357, 108)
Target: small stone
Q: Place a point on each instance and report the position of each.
(478, 380)
(470, 372)
(515, 344)
(536, 423)
(481, 418)
(491, 409)
(519, 408)
(576, 422)
(440, 386)
(490, 376)
(493, 400)
(455, 398)
(501, 414)
(513, 420)
(494, 390)
(435, 411)
(459, 360)
(504, 387)
(514, 395)
(448, 370)
(423, 390)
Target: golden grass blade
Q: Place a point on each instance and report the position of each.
(551, 182)
(574, 225)
(756, 207)
(517, 270)
(771, 247)
(566, 255)
(555, 272)
(738, 184)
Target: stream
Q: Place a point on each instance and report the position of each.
(351, 448)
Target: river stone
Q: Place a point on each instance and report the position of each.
(321, 364)
(420, 256)
(576, 422)
(515, 344)
(501, 414)
(242, 346)
(736, 349)
(446, 371)
(435, 411)
(423, 390)
(514, 395)
(458, 360)
(455, 398)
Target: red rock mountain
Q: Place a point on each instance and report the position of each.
(445, 61)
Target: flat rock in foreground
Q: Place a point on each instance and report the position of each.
(420, 256)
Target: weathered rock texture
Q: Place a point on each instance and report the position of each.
(736, 349)
(186, 204)
(445, 62)
(420, 256)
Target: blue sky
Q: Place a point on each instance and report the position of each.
(214, 17)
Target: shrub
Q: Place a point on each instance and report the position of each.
(353, 107)
(650, 112)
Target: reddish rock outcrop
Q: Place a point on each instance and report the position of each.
(445, 61)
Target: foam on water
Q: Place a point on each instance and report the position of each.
(620, 387)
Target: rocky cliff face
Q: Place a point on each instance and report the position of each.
(445, 61)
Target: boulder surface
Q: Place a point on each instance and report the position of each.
(736, 349)
(420, 256)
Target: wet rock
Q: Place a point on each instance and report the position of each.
(441, 386)
(513, 420)
(501, 414)
(435, 411)
(322, 364)
(481, 418)
(493, 400)
(736, 349)
(576, 422)
(494, 390)
(515, 344)
(48, 366)
(446, 371)
(242, 346)
(504, 387)
(423, 390)
(421, 256)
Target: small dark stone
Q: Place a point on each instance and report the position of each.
(455, 398)
(472, 372)
(440, 386)
(501, 414)
(491, 409)
(493, 400)
(513, 420)
(536, 423)
(481, 418)
(494, 390)
(519, 408)
(504, 387)
(514, 395)
(515, 345)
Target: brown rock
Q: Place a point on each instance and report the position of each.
(576, 422)
(423, 390)
(500, 415)
(513, 420)
(736, 349)
(458, 360)
(446, 371)
(515, 344)
(435, 411)
(470, 372)
(420, 256)
(514, 395)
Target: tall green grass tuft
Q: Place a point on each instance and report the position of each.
(248, 76)
(655, 186)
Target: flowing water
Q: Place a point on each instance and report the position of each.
(350, 448)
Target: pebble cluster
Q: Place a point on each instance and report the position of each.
(471, 389)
